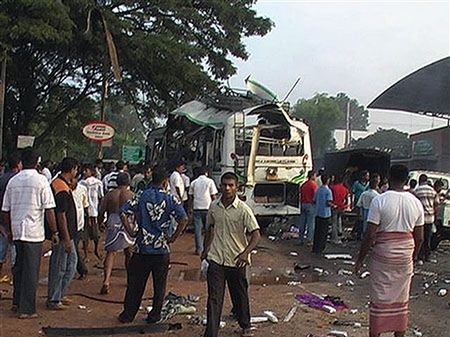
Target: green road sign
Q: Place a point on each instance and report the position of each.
(133, 154)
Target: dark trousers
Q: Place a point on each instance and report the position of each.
(81, 265)
(26, 275)
(139, 269)
(238, 288)
(425, 249)
(320, 234)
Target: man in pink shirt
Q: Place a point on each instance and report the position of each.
(307, 208)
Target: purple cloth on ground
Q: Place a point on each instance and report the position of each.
(316, 302)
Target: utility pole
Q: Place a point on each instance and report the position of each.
(347, 126)
(2, 99)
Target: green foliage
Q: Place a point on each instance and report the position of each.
(321, 113)
(396, 142)
(359, 116)
(169, 51)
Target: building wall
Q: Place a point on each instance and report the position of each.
(439, 158)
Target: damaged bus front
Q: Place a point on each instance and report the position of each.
(262, 144)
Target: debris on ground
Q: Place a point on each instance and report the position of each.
(351, 323)
(258, 319)
(271, 316)
(290, 314)
(318, 302)
(442, 292)
(176, 305)
(336, 333)
(292, 233)
(299, 267)
(293, 254)
(344, 272)
(364, 274)
(338, 256)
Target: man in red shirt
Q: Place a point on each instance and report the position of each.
(341, 196)
(307, 208)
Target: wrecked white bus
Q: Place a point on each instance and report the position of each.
(261, 143)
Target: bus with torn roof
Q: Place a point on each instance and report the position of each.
(269, 150)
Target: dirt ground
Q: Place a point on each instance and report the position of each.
(272, 269)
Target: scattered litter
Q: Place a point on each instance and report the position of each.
(344, 272)
(48, 253)
(271, 316)
(329, 309)
(425, 273)
(339, 285)
(294, 283)
(82, 307)
(352, 263)
(293, 233)
(426, 285)
(317, 302)
(442, 292)
(349, 283)
(193, 298)
(433, 261)
(342, 322)
(269, 269)
(336, 333)
(201, 320)
(300, 267)
(318, 270)
(417, 333)
(447, 281)
(176, 305)
(353, 311)
(259, 319)
(254, 251)
(364, 275)
(293, 254)
(290, 314)
(338, 256)
(272, 238)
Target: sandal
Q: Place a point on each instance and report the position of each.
(105, 289)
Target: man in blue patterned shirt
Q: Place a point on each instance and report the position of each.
(153, 210)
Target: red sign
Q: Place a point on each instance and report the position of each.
(98, 131)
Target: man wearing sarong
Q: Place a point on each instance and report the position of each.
(117, 238)
(395, 234)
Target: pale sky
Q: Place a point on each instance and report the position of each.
(357, 47)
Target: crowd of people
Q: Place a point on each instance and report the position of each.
(325, 199)
(396, 223)
(142, 211)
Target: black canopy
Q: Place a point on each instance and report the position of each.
(425, 91)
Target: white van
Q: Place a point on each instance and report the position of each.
(443, 211)
(432, 177)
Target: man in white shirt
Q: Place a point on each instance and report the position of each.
(46, 165)
(27, 197)
(95, 194)
(177, 186)
(366, 198)
(202, 191)
(394, 237)
(81, 200)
